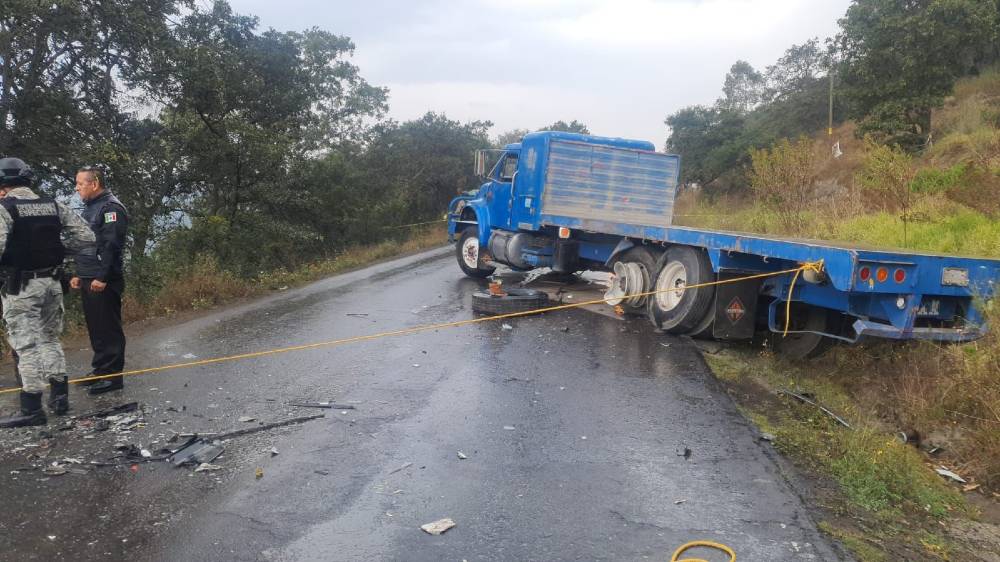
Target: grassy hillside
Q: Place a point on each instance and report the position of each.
(890, 504)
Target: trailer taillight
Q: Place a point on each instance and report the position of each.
(865, 274)
(882, 275)
(899, 276)
(563, 232)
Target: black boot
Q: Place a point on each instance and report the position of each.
(58, 395)
(31, 412)
(106, 385)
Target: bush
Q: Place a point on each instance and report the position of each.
(782, 179)
(884, 179)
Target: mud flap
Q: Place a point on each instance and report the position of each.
(735, 308)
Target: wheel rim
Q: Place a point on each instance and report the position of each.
(673, 276)
(470, 252)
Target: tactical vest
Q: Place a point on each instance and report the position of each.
(35, 240)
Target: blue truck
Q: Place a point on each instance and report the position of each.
(575, 202)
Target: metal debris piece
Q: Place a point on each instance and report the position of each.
(438, 527)
(509, 428)
(145, 453)
(246, 419)
(120, 409)
(678, 502)
(950, 475)
(767, 437)
(803, 398)
(322, 472)
(685, 452)
(325, 405)
(267, 426)
(462, 456)
(195, 451)
(206, 467)
(506, 327)
(274, 451)
(404, 467)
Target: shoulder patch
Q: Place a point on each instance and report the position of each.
(111, 217)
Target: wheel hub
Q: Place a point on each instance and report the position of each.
(673, 276)
(629, 280)
(470, 253)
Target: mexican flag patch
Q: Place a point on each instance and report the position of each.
(110, 217)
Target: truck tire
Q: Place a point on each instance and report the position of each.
(469, 256)
(646, 258)
(516, 300)
(681, 266)
(802, 346)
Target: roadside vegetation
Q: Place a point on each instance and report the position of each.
(880, 496)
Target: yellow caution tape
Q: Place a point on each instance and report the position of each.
(813, 266)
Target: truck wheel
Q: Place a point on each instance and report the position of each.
(516, 300)
(703, 330)
(645, 258)
(802, 345)
(470, 259)
(680, 312)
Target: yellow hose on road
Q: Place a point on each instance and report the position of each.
(702, 544)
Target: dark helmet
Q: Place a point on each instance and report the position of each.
(14, 172)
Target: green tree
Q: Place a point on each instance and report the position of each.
(743, 89)
(900, 59)
(573, 126)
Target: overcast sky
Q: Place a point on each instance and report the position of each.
(620, 66)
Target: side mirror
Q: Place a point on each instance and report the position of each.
(481, 163)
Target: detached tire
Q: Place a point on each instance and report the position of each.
(674, 313)
(469, 256)
(516, 300)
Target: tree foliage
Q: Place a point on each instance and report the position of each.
(900, 59)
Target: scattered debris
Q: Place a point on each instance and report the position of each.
(506, 327)
(195, 451)
(189, 356)
(950, 475)
(404, 467)
(144, 453)
(274, 451)
(246, 419)
(462, 456)
(322, 472)
(678, 502)
(206, 467)
(357, 314)
(685, 452)
(509, 428)
(803, 398)
(326, 405)
(970, 488)
(769, 437)
(438, 527)
(259, 473)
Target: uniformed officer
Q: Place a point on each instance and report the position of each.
(100, 278)
(35, 232)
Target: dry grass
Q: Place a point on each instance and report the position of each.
(204, 285)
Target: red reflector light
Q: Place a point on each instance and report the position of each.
(899, 276)
(865, 274)
(882, 275)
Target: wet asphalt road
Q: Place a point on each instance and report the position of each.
(574, 426)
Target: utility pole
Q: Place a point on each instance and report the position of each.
(829, 127)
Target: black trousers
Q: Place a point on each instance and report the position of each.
(103, 313)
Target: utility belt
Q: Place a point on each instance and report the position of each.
(13, 280)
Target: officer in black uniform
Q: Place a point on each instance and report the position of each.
(100, 278)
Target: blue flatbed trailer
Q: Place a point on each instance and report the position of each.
(578, 202)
